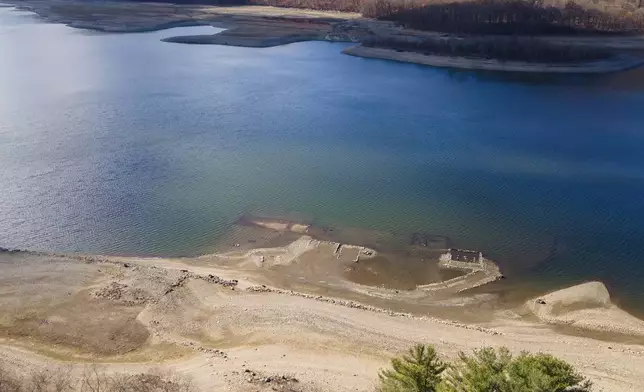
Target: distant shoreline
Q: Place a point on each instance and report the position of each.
(132, 30)
(615, 64)
(260, 27)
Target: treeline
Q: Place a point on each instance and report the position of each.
(497, 48)
(529, 17)
(320, 5)
(502, 17)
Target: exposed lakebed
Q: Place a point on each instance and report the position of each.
(123, 144)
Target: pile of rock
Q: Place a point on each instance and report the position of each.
(259, 289)
(278, 382)
(120, 292)
(220, 281)
(10, 251)
(205, 350)
(179, 282)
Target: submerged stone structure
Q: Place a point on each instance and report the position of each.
(464, 255)
(462, 258)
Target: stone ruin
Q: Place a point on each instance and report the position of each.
(463, 256)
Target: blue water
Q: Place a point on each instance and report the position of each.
(123, 144)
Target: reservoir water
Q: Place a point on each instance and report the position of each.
(123, 144)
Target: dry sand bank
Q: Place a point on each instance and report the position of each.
(214, 316)
(259, 32)
(616, 64)
(587, 306)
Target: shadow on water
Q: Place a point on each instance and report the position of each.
(628, 80)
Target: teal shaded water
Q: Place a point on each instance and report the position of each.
(123, 144)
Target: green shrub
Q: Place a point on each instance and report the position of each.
(487, 370)
(490, 370)
(419, 371)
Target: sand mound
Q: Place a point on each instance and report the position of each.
(586, 306)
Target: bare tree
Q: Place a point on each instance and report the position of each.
(62, 380)
(8, 382)
(94, 379)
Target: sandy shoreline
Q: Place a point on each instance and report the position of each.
(260, 27)
(286, 309)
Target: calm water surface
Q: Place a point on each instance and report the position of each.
(123, 144)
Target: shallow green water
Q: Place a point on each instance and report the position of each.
(124, 144)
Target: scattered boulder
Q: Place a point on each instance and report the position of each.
(277, 382)
(10, 251)
(217, 280)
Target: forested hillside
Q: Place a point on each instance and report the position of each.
(482, 16)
